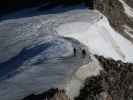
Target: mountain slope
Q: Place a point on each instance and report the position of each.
(83, 29)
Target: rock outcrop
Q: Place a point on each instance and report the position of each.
(114, 82)
(114, 10)
(51, 94)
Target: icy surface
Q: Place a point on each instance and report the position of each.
(40, 67)
(34, 58)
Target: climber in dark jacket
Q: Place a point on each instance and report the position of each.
(74, 51)
(83, 53)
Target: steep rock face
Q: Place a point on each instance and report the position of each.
(116, 12)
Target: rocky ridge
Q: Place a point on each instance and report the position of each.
(114, 82)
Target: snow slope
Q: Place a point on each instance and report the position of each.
(44, 65)
(100, 38)
(24, 35)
